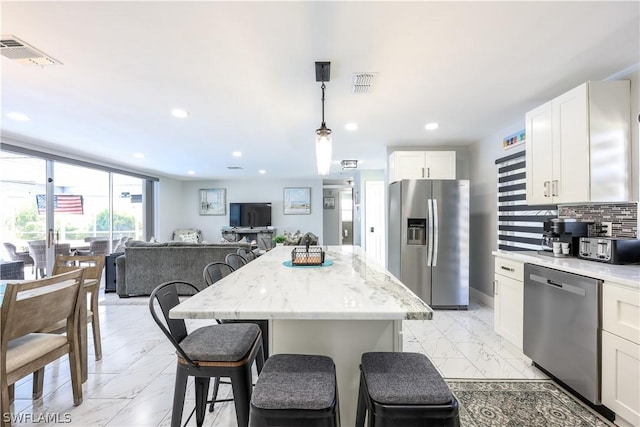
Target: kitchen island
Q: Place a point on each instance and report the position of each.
(340, 310)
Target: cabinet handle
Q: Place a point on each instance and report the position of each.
(423, 172)
(428, 172)
(546, 189)
(495, 287)
(554, 187)
(507, 268)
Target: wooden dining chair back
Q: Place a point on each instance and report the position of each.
(93, 265)
(29, 307)
(215, 271)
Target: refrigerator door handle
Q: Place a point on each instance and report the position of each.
(434, 232)
(429, 232)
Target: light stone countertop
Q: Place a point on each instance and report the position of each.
(355, 287)
(627, 275)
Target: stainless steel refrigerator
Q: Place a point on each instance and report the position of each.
(428, 243)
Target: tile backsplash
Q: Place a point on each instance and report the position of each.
(623, 216)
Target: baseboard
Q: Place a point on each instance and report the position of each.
(481, 297)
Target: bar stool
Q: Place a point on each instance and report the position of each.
(404, 389)
(295, 390)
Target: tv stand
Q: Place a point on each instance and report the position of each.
(262, 235)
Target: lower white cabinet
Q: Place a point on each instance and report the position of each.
(508, 300)
(621, 351)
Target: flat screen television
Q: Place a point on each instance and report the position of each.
(250, 214)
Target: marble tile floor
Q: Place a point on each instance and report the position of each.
(133, 383)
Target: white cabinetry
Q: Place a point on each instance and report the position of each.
(422, 165)
(508, 300)
(621, 351)
(578, 146)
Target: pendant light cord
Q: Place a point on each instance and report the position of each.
(323, 88)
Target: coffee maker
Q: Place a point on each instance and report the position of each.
(563, 230)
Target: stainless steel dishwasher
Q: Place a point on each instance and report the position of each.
(562, 327)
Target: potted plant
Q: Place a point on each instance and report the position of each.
(279, 240)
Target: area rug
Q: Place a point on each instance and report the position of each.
(520, 403)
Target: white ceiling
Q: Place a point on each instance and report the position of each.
(245, 73)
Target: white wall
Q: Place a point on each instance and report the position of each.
(483, 221)
(169, 208)
(179, 209)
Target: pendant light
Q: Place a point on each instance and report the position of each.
(323, 134)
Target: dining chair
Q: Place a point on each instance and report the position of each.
(97, 247)
(247, 255)
(214, 351)
(27, 308)
(215, 271)
(234, 260)
(38, 252)
(12, 253)
(93, 267)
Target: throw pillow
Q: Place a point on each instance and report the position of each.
(189, 237)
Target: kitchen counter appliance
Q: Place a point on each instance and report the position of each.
(564, 230)
(562, 329)
(610, 250)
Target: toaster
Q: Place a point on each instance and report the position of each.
(610, 250)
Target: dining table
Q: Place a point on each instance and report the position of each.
(82, 324)
(342, 308)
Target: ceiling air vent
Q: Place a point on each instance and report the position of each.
(363, 82)
(15, 49)
(235, 167)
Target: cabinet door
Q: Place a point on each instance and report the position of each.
(539, 152)
(620, 373)
(440, 164)
(621, 311)
(406, 165)
(571, 175)
(509, 311)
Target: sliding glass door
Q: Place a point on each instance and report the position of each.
(52, 207)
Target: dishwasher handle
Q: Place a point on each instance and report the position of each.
(560, 286)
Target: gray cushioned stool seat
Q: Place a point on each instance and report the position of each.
(403, 389)
(220, 343)
(404, 378)
(295, 390)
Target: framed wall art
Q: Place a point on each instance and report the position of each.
(213, 201)
(329, 203)
(297, 201)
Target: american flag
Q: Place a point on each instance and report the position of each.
(62, 203)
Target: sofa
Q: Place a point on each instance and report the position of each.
(146, 265)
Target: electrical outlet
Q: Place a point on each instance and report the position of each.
(607, 230)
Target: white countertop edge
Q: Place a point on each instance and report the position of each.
(626, 275)
(304, 315)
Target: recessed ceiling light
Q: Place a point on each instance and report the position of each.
(177, 112)
(431, 126)
(236, 154)
(262, 171)
(191, 173)
(138, 155)
(19, 117)
(351, 126)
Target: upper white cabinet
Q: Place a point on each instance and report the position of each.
(578, 146)
(422, 165)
